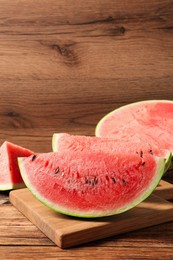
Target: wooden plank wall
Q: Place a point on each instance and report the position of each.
(64, 64)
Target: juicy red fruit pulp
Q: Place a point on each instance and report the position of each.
(150, 121)
(10, 176)
(93, 182)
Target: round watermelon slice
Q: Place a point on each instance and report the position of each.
(150, 121)
(91, 184)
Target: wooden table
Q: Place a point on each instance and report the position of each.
(63, 65)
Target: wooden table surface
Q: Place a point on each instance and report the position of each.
(63, 65)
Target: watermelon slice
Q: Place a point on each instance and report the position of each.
(150, 121)
(73, 143)
(91, 184)
(10, 177)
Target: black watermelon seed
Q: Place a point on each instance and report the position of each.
(57, 170)
(33, 157)
(141, 154)
(151, 152)
(87, 181)
(95, 181)
(113, 179)
(143, 163)
(124, 182)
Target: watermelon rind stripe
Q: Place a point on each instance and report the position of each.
(11, 186)
(55, 141)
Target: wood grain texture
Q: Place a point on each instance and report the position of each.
(28, 234)
(84, 253)
(67, 231)
(164, 190)
(62, 67)
(150, 243)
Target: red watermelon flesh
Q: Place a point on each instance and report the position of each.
(150, 121)
(77, 143)
(10, 177)
(91, 184)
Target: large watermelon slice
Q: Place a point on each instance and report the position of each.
(72, 143)
(91, 184)
(10, 177)
(150, 121)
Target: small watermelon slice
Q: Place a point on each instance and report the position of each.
(10, 177)
(150, 121)
(91, 184)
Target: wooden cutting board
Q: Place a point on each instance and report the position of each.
(164, 190)
(68, 231)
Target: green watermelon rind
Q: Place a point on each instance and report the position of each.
(55, 138)
(10, 186)
(54, 149)
(158, 175)
(168, 162)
